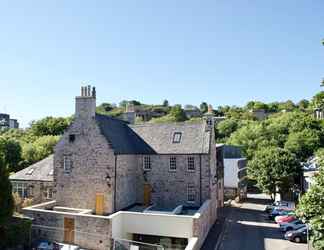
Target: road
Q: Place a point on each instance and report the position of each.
(247, 228)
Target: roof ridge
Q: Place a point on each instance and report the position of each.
(165, 124)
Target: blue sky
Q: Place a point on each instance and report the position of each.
(186, 51)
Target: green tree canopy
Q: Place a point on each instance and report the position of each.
(6, 200)
(273, 168)
(203, 107)
(311, 206)
(11, 152)
(50, 126)
(178, 113)
(165, 103)
(303, 143)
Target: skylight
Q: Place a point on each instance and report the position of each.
(177, 137)
(30, 171)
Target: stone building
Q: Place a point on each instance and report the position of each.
(151, 182)
(35, 182)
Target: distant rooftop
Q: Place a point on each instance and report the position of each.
(40, 171)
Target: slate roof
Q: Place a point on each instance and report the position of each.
(41, 171)
(123, 139)
(194, 138)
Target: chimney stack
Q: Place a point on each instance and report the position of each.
(85, 105)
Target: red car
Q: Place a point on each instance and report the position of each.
(285, 219)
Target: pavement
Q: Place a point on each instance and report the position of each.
(246, 227)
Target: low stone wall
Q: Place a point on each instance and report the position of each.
(90, 231)
(204, 219)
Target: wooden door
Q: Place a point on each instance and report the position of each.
(99, 203)
(69, 230)
(147, 194)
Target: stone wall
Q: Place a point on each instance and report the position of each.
(92, 172)
(170, 187)
(91, 232)
(203, 221)
(127, 183)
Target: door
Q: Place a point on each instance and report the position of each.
(147, 194)
(69, 230)
(99, 203)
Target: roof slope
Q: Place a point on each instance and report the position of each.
(194, 138)
(41, 171)
(123, 139)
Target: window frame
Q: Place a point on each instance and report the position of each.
(176, 139)
(21, 189)
(191, 192)
(49, 193)
(191, 160)
(67, 158)
(173, 163)
(147, 163)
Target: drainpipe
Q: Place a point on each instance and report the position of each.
(200, 179)
(115, 184)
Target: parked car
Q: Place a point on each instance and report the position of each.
(294, 225)
(279, 212)
(285, 219)
(43, 245)
(276, 204)
(297, 236)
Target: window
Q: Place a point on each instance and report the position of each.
(173, 164)
(191, 163)
(191, 193)
(67, 164)
(177, 137)
(147, 163)
(30, 171)
(20, 189)
(71, 138)
(30, 190)
(49, 193)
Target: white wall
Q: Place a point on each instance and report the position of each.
(231, 171)
(124, 223)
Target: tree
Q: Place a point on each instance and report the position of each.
(311, 206)
(288, 105)
(203, 107)
(39, 149)
(303, 144)
(273, 168)
(303, 104)
(178, 113)
(11, 152)
(6, 200)
(226, 128)
(50, 126)
(318, 100)
(165, 103)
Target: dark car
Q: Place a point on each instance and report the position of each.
(298, 236)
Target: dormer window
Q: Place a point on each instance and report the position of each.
(30, 171)
(177, 137)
